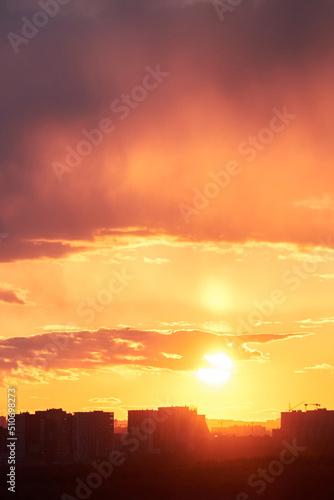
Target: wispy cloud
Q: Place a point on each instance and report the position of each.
(324, 202)
(315, 323)
(158, 261)
(321, 367)
(109, 400)
(171, 356)
(329, 276)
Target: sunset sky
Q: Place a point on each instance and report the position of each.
(198, 222)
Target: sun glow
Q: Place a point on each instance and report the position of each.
(220, 360)
(216, 298)
(213, 376)
(221, 371)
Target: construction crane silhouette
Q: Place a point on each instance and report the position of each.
(316, 405)
(290, 409)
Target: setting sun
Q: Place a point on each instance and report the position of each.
(220, 360)
(221, 371)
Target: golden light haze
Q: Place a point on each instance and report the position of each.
(188, 258)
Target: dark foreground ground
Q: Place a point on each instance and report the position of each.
(308, 478)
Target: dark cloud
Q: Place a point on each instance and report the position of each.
(11, 297)
(20, 249)
(224, 76)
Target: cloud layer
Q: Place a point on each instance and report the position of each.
(225, 79)
(69, 354)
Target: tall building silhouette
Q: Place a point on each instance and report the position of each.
(92, 434)
(175, 429)
(44, 436)
(183, 430)
(56, 436)
(142, 424)
(308, 427)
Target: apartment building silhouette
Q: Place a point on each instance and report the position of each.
(176, 429)
(56, 436)
(307, 427)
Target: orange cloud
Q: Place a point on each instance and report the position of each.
(75, 353)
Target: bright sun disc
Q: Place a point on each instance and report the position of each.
(220, 360)
(221, 371)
